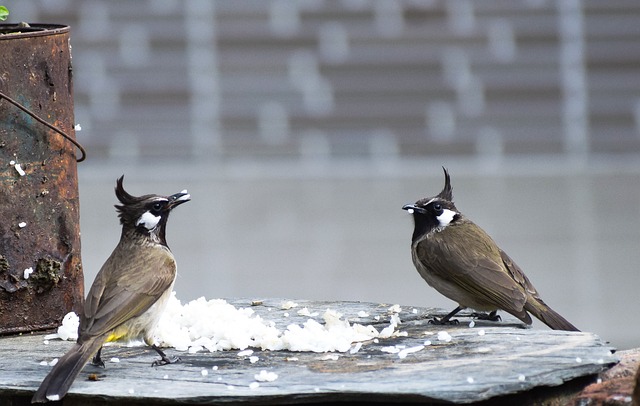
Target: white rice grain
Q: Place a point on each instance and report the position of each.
(19, 169)
(27, 272)
(403, 353)
(265, 376)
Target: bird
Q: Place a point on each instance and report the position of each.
(462, 262)
(129, 293)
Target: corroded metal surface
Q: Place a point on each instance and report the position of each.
(39, 208)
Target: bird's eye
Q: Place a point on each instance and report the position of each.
(438, 208)
(157, 206)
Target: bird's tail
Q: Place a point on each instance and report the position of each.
(57, 382)
(547, 315)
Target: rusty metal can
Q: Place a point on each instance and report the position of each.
(40, 266)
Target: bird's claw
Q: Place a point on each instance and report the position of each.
(165, 360)
(97, 362)
(493, 316)
(442, 321)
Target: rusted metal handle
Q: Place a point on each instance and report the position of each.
(41, 121)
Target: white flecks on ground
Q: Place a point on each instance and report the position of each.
(288, 305)
(521, 378)
(472, 324)
(578, 359)
(403, 353)
(265, 376)
(131, 391)
(254, 385)
(330, 357)
(245, 353)
(27, 272)
(414, 311)
(19, 169)
(305, 312)
(482, 332)
(68, 330)
(391, 328)
(427, 343)
(362, 313)
(115, 359)
(395, 308)
(470, 379)
(215, 367)
(392, 349)
(22, 224)
(204, 372)
(444, 336)
(253, 359)
(44, 363)
(355, 348)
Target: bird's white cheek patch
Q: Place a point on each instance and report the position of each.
(148, 220)
(446, 217)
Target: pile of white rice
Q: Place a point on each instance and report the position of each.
(215, 325)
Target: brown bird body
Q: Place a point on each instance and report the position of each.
(129, 292)
(462, 262)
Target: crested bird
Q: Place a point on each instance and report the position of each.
(462, 262)
(129, 292)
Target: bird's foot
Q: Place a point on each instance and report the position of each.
(443, 321)
(164, 360)
(447, 320)
(97, 363)
(97, 360)
(493, 316)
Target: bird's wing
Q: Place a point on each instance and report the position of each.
(483, 276)
(517, 274)
(128, 284)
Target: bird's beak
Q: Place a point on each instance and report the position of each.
(179, 198)
(412, 208)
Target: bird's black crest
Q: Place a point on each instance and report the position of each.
(129, 202)
(447, 191)
(122, 195)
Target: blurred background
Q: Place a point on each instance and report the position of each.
(301, 128)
